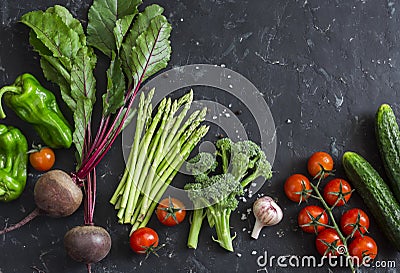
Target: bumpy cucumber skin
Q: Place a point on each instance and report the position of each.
(376, 195)
(388, 138)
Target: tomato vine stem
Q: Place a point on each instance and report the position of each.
(328, 209)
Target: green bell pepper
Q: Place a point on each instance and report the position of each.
(38, 106)
(13, 163)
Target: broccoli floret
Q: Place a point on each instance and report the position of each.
(239, 165)
(215, 196)
(201, 165)
(248, 162)
(218, 196)
(213, 190)
(261, 168)
(224, 147)
(250, 149)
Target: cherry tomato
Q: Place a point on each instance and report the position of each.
(364, 248)
(310, 219)
(337, 191)
(354, 221)
(42, 159)
(318, 163)
(170, 211)
(297, 188)
(144, 240)
(328, 243)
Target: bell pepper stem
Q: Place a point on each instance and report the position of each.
(5, 89)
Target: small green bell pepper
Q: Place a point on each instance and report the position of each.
(13, 163)
(38, 106)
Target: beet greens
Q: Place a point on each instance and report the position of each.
(137, 45)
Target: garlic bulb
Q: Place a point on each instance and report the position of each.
(267, 213)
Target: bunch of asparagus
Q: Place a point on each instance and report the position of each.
(161, 145)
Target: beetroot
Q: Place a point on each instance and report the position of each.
(56, 195)
(87, 244)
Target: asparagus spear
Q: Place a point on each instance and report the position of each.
(134, 192)
(133, 154)
(156, 157)
(179, 158)
(162, 182)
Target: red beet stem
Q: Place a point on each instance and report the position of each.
(35, 213)
(89, 268)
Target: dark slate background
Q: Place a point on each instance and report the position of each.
(324, 68)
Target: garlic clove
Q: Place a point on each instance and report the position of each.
(267, 213)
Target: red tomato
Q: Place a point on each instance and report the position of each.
(354, 220)
(320, 163)
(144, 240)
(364, 248)
(170, 211)
(337, 191)
(310, 219)
(328, 243)
(297, 188)
(42, 159)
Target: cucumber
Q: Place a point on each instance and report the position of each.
(388, 138)
(376, 195)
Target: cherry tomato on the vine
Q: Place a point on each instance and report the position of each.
(297, 188)
(328, 243)
(170, 211)
(364, 248)
(312, 219)
(42, 159)
(354, 221)
(337, 191)
(144, 240)
(320, 163)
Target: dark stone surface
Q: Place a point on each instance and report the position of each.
(324, 68)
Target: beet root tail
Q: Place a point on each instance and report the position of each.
(35, 213)
(89, 268)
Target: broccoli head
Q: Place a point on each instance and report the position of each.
(239, 165)
(224, 146)
(242, 163)
(261, 168)
(201, 165)
(249, 148)
(213, 190)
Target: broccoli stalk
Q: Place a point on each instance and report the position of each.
(217, 196)
(199, 166)
(195, 226)
(214, 194)
(224, 151)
